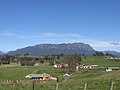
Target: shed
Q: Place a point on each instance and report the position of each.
(112, 68)
(66, 76)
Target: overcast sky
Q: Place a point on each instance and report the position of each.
(30, 22)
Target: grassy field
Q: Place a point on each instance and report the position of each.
(100, 61)
(19, 72)
(94, 80)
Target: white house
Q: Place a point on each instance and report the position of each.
(87, 66)
(108, 70)
(58, 65)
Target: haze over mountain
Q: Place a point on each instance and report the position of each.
(112, 52)
(1, 53)
(47, 49)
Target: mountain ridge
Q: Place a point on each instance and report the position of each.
(1, 53)
(48, 49)
(115, 53)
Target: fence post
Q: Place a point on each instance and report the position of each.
(13, 86)
(33, 84)
(57, 83)
(111, 85)
(85, 87)
(57, 86)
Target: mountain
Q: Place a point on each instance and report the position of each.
(112, 52)
(1, 53)
(47, 49)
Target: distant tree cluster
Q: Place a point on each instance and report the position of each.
(108, 54)
(26, 60)
(30, 61)
(6, 59)
(97, 53)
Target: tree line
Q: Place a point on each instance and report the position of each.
(25, 60)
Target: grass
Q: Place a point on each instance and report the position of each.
(95, 80)
(100, 61)
(19, 72)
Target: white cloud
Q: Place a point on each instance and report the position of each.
(115, 43)
(63, 38)
(39, 36)
(103, 44)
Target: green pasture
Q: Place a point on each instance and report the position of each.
(100, 61)
(94, 80)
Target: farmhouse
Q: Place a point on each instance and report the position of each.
(43, 76)
(86, 66)
(58, 65)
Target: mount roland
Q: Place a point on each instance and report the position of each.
(48, 49)
(1, 53)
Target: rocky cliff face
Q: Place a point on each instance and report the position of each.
(47, 49)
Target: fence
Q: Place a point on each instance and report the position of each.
(111, 84)
(19, 81)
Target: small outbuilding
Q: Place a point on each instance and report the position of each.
(66, 76)
(94, 66)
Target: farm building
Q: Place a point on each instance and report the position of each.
(94, 66)
(87, 66)
(113, 58)
(112, 68)
(66, 76)
(43, 76)
(58, 65)
(36, 64)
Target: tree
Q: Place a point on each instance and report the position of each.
(6, 59)
(99, 53)
(72, 60)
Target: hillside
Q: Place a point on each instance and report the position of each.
(112, 52)
(1, 53)
(47, 49)
(95, 78)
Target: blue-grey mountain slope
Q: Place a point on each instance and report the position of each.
(47, 49)
(1, 53)
(112, 52)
